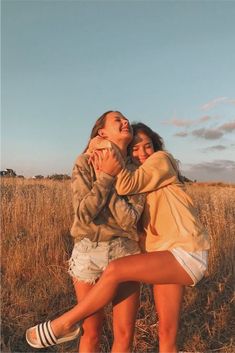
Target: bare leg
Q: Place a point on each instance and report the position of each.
(168, 300)
(92, 326)
(158, 267)
(125, 305)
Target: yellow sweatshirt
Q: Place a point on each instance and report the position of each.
(169, 217)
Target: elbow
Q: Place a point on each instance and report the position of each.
(84, 217)
(84, 220)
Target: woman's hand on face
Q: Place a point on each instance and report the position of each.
(106, 161)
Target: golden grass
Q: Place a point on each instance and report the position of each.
(36, 217)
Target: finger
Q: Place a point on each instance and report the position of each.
(91, 158)
(95, 160)
(99, 156)
(105, 155)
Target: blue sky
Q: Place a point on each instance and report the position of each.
(169, 64)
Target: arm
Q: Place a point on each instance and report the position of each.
(156, 172)
(126, 210)
(89, 195)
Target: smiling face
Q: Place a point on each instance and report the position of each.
(141, 148)
(116, 129)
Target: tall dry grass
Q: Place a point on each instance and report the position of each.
(36, 218)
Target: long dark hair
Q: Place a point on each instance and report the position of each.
(157, 140)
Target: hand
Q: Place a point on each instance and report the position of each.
(106, 161)
(94, 159)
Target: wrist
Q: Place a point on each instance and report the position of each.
(107, 176)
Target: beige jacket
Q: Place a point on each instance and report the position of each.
(100, 214)
(169, 218)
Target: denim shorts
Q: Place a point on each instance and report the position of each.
(194, 263)
(89, 259)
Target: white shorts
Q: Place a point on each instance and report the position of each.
(194, 263)
(89, 259)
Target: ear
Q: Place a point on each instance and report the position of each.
(101, 133)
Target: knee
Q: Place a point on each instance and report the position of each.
(167, 332)
(123, 338)
(91, 336)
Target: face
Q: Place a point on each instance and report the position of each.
(116, 129)
(141, 148)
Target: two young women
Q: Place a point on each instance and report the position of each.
(176, 243)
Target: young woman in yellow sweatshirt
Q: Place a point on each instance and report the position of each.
(176, 242)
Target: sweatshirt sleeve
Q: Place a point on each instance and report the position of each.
(156, 172)
(89, 195)
(126, 210)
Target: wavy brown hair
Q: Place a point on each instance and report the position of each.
(157, 140)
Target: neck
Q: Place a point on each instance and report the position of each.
(122, 146)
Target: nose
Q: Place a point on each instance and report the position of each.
(143, 152)
(125, 122)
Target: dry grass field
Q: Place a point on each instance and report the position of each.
(35, 222)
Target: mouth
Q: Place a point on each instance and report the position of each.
(125, 130)
(142, 160)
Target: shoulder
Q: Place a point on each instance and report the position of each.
(161, 154)
(158, 156)
(82, 169)
(82, 160)
(82, 164)
(161, 160)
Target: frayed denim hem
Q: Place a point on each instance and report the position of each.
(89, 281)
(76, 278)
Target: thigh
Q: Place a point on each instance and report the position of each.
(125, 306)
(154, 267)
(95, 321)
(168, 299)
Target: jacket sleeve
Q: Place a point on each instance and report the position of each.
(89, 195)
(156, 172)
(126, 210)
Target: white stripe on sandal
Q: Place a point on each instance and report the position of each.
(46, 338)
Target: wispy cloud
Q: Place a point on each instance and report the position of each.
(181, 134)
(178, 122)
(231, 101)
(205, 118)
(215, 148)
(208, 134)
(189, 123)
(214, 102)
(217, 170)
(227, 127)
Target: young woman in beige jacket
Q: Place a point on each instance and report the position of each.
(104, 229)
(176, 242)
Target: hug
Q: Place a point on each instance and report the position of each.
(133, 223)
